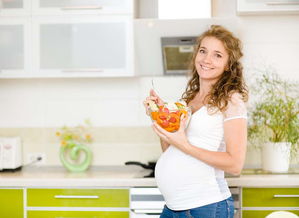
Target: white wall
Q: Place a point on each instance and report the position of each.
(42, 103)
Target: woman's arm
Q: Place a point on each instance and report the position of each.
(232, 160)
(164, 144)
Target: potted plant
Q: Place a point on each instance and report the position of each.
(73, 144)
(274, 120)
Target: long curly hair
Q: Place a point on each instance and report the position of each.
(231, 80)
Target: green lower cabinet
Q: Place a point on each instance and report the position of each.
(77, 214)
(11, 203)
(270, 197)
(261, 213)
(78, 197)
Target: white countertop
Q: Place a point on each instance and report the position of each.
(120, 176)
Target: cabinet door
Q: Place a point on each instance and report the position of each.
(268, 7)
(270, 197)
(62, 7)
(77, 214)
(83, 47)
(14, 44)
(78, 198)
(14, 7)
(11, 203)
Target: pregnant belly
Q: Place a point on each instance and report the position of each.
(178, 172)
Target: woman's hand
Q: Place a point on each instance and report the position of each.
(152, 97)
(177, 139)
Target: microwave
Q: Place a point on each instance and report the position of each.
(177, 54)
(10, 153)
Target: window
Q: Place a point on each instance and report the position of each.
(184, 9)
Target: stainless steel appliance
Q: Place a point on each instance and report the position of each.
(177, 54)
(149, 202)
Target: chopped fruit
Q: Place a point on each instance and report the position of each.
(168, 115)
(153, 106)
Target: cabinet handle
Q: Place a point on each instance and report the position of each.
(150, 211)
(282, 3)
(286, 196)
(76, 196)
(82, 8)
(80, 71)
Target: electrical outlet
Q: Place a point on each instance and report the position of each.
(32, 158)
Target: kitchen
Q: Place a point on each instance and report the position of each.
(38, 100)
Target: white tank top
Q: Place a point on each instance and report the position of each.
(187, 182)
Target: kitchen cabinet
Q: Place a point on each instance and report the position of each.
(58, 7)
(68, 38)
(15, 8)
(247, 7)
(85, 46)
(259, 202)
(95, 203)
(11, 203)
(14, 46)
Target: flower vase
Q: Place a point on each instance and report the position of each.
(70, 157)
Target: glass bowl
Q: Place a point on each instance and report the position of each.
(170, 119)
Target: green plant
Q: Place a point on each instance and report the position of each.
(75, 135)
(275, 114)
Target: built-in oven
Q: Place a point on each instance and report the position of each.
(149, 202)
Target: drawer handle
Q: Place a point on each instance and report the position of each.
(286, 196)
(82, 71)
(76, 196)
(82, 8)
(282, 3)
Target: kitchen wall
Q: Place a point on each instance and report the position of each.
(35, 108)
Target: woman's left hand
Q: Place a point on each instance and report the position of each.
(177, 139)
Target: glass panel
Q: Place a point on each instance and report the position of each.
(90, 45)
(11, 3)
(11, 47)
(66, 3)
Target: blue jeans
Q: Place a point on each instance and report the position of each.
(221, 209)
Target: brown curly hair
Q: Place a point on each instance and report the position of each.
(231, 80)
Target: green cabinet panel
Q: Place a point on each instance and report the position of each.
(264, 197)
(78, 197)
(11, 203)
(77, 214)
(260, 213)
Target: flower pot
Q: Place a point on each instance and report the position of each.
(70, 157)
(276, 157)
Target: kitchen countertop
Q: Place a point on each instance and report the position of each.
(121, 176)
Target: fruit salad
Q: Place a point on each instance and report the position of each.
(168, 116)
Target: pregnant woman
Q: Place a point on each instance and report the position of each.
(190, 171)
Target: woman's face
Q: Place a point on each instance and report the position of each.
(211, 59)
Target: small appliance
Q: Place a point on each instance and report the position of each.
(10, 153)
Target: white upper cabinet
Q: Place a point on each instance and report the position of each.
(14, 44)
(83, 47)
(66, 38)
(267, 7)
(62, 7)
(15, 7)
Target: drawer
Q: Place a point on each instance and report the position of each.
(261, 213)
(78, 197)
(270, 197)
(77, 214)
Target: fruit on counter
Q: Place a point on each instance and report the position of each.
(168, 116)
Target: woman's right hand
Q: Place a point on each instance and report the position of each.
(152, 97)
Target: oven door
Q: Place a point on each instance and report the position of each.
(146, 202)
